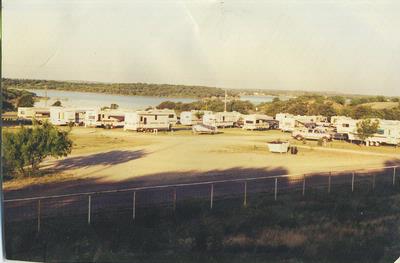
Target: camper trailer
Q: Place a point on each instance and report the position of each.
(256, 122)
(65, 116)
(172, 118)
(222, 119)
(107, 118)
(289, 122)
(33, 113)
(147, 121)
(388, 131)
(193, 117)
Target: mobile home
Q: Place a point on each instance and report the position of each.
(222, 119)
(147, 120)
(388, 131)
(65, 116)
(256, 122)
(193, 117)
(33, 113)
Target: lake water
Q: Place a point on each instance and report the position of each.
(88, 99)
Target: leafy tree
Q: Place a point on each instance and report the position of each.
(114, 106)
(26, 100)
(362, 112)
(339, 99)
(367, 128)
(25, 149)
(199, 114)
(57, 103)
(380, 99)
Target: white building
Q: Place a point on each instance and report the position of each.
(256, 122)
(147, 120)
(193, 117)
(222, 119)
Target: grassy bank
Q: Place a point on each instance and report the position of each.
(340, 227)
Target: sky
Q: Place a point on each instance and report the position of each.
(342, 46)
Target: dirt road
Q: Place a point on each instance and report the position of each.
(110, 158)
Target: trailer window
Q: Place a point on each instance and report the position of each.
(381, 131)
(155, 117)
(171, 116)
(346, 125)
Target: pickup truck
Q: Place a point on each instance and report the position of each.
(312, 134)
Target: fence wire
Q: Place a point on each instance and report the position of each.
(92, 203)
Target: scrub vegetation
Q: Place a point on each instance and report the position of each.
(320, 227)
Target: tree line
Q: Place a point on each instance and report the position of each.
(327, 106)
(134, 89)
(303, 105)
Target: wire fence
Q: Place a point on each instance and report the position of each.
(113, 201)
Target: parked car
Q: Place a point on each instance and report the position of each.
(311, 134)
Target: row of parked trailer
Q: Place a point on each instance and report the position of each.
(301, 127)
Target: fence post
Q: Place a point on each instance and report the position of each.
(38, 215)
(89, 208)
(373, 182)
(174, 199)
(134, 206)
(329, 182)
(304, 185)
(394, 175)
(212, 196)
(352, 181)
(245, 194)
(276, 188)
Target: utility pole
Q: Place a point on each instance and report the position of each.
(225, 101)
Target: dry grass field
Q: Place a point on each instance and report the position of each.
(109, 157)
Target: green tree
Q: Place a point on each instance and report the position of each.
(366, 128)
(339, 99)
(199, 114)
(114, 106)
(25, 149)
(26, 100)
(57, 103)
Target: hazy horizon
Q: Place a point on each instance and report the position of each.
(344, 47)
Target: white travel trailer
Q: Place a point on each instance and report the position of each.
(222, 119)
(193, 117)
(147, 121)
(33, 113)
(256, 122)
(65, 116)
(289, 122)
(108, 118)
(172, 118)
(388, 131)
(335, 119)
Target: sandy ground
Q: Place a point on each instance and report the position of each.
(110, 156)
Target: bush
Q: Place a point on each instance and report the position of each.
(25, 149)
